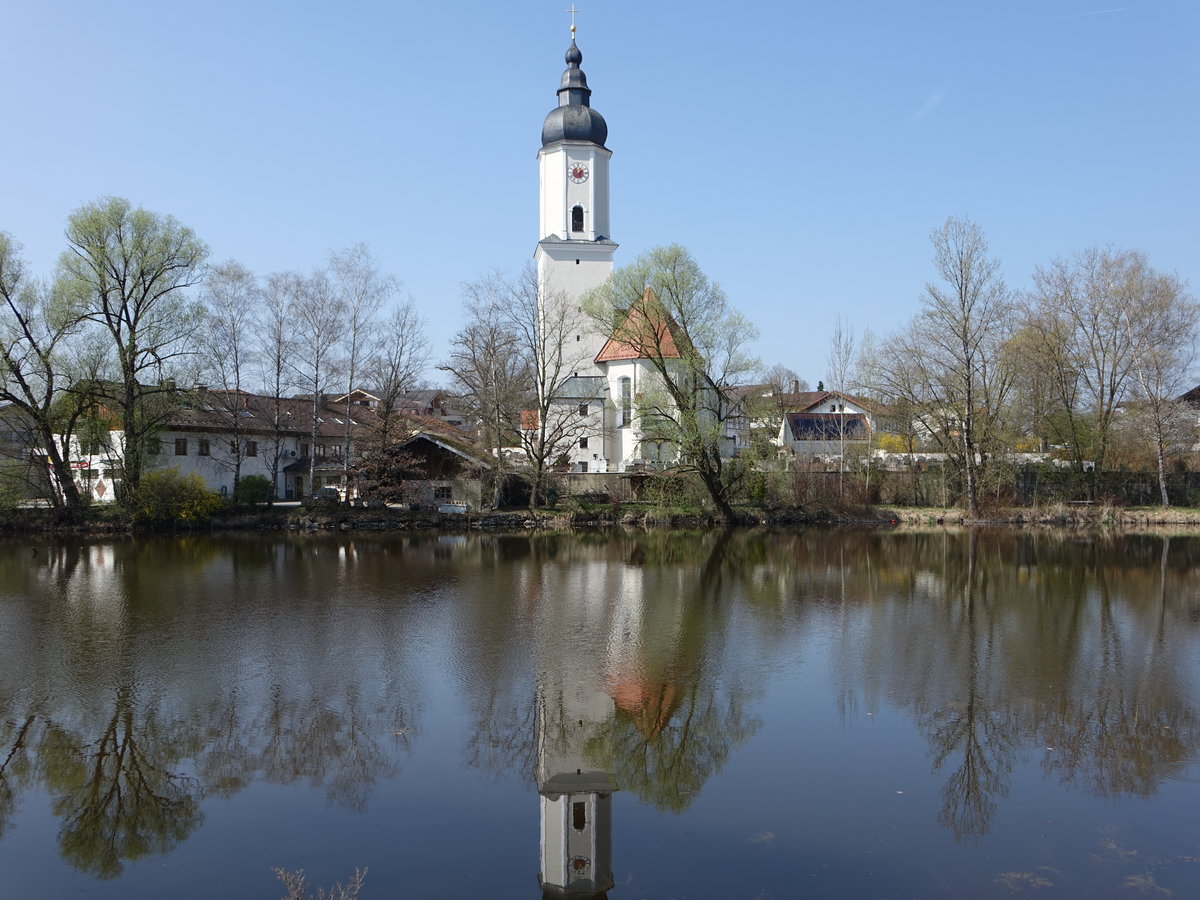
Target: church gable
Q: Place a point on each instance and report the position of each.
(645, 332)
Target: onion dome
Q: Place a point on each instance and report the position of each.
(574, 119)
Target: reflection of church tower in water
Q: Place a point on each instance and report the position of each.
(575, 796)
(606, 638)
(574, 710)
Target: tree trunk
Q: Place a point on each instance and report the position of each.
(716, 491)
(131, 463)
(71, 499)
(1161, 453)
(969, 470)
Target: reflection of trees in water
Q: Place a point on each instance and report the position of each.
(120, 796)
(982, 735)
(501, 741)
(1006, 644)
(331, 747)
(1131, 728)
(997, 644)
(122, 793)
(16, 763)
(674, 726)
(985, 744)
(666, 749)
(128, 754)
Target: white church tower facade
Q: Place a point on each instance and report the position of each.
(575, 250)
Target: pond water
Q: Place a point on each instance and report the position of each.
(822, 713)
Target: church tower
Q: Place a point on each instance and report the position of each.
(574, 252)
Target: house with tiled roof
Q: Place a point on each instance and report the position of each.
(301, 447)
(821, 424)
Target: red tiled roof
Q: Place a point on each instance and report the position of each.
(645, 332)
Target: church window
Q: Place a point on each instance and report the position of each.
(626, 402)
(579, 815)
(577, 218)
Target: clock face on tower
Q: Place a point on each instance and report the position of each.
(579, 173)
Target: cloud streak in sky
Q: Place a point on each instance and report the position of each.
(932, 102)
(1096, 12)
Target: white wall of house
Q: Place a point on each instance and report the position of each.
(587, 451)
(623, 436)
(207, 455)
(211, 457)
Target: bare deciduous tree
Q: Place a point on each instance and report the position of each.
(274, 350)
(362, 291)
(1095, 316)
(489, 372)
(1163, 369)
(947, 364)
(395, 368)
(545, 327)
(839, 367)
(317, 313)
(231, 295)
(400, 356)
(783, 380)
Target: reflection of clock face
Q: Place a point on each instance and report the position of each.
(579, 173)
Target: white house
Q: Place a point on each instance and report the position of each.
(216, 434)
(821, 424)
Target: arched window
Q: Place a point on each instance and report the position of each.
(626, 402)
(577, 218)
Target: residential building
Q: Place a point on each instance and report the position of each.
(302, 448)
(817, 425)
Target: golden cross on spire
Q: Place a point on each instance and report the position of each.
(572, 11)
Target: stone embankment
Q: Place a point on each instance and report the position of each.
(333, 517)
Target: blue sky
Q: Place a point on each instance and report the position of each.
(802, 151)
